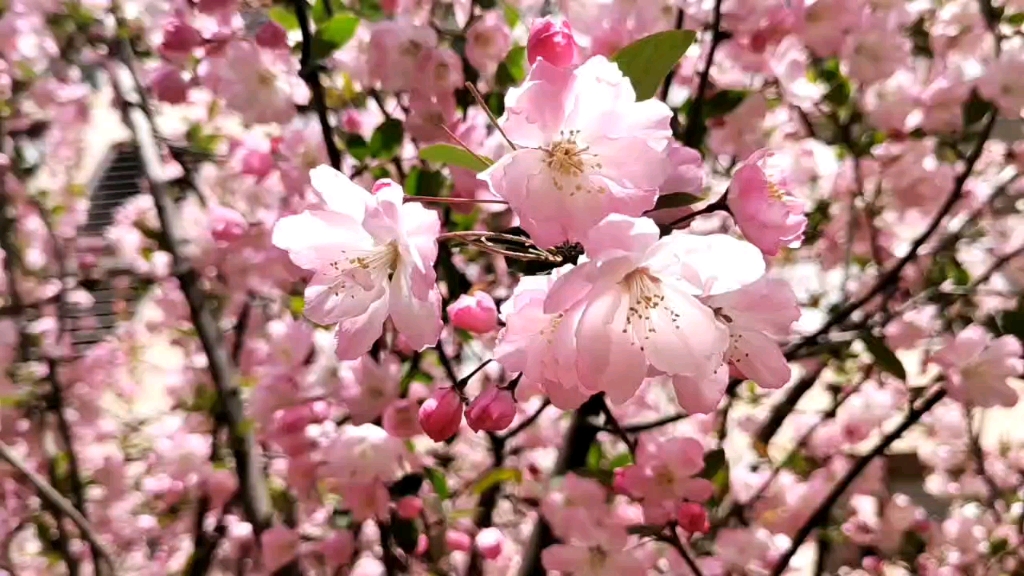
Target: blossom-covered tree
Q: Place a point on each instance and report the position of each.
(469, 287)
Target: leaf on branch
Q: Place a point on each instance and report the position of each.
(386, 139)
(647, 61)
(450, 155)
(283, 16)
(676, 200)
(497, 476)
(439, 482)
(722, 103)
(334, 34)
(884, 357)
(716, 470)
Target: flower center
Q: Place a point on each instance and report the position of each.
(366, 269)
(567, 162)
(775, 192)
(645, 297)
(381, 259)
(566, 158)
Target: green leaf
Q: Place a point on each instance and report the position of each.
(647, 61)
(320, 13)
(283, 16)
(511, 15)
(1015, 20)
(357, 147)
(334, 34)
(884, 357)
(594, 457)
(438, 481)
(513, 70)
(449, 155)
(386, 139)
(716, 470)
(624, 459)
(676, 200)
(722, 103)
(497, 476)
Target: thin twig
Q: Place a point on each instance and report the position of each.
(527, 422)
(821, 513)
(694, 131)
(51, 496)
(494, 120)
(667, 82)
(311, 74)
(248, 461)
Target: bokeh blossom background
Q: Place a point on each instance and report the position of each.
(511, 287)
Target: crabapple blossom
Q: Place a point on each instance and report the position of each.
(262, 85)
(493, 410)
(372, 258)
(474, 312)
(765, 210)
(551, 39)
(440, 416)
(978, 366)
(586, 149)
(488, 41)
(639, 306)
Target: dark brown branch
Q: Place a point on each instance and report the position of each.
(248, 461)
(693, 134)
(310, 72)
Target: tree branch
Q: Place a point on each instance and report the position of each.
(310, 72)
(255, 496)
(821, 513)
(693, 134)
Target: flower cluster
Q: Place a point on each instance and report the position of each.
(483, 288)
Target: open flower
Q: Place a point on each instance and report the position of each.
(587, 149)
(978, 365)
(373, 257)
(766, 211)
(640, 306)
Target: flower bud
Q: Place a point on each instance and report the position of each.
(272, 36)
(409, 507)
(489, 542)
(226, 224)
(168, 85)
(179, 39)
(221, 486)
(457, 541)
(441, 414)
(278, 545)
(551, 39)
(475, 313)
(693, 518)
(493, 410)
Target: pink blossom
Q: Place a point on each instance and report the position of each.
(490, 542)
(757, 315)
(363, 454)
(693, 518)
(488, 41)
(401, 418)
(216, 6)
(429, 114)
(169, 85)
(458, 541)
(1001, 83)
(663, 476)
(441, 414)
(373, 257)
(587, 149)
(393, 57)
(272, 36)
(765, 210)
(474, 312)
(439, 71)
(368, 387)
(640, 307)
(261, 85)
(278, 546)
(409, 507)
(493, 410)
(338, 549)
(226, 224)
(180, 39)
(221, 486)
(607, 555)
(551, 39)
(541, 346)
(978, 365)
